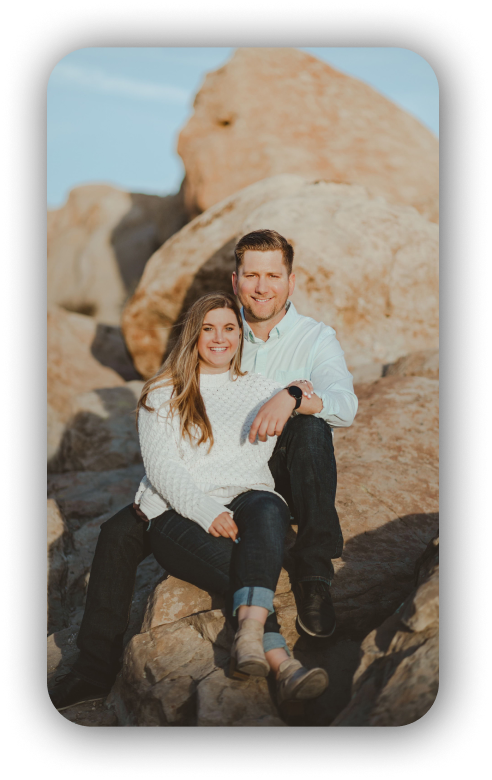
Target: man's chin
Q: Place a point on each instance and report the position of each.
(259, 315)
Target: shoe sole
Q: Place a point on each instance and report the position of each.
(248, 669)
(310, 633)
(82, 701)
(311, 686)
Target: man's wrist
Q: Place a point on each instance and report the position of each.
(291, 398)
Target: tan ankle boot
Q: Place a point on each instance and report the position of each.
(295, 682)
(247, 656)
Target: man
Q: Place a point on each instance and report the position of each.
(285, 346)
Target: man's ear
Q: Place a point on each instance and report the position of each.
(234, 282)
(292, 283)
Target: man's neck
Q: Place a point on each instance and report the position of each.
(263, 329)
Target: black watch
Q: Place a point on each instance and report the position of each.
(296, 393)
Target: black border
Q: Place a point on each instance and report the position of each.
(450, 729)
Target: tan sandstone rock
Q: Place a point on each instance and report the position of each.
(325, 125)
(367, 268)
(100, 434)
(161, 669)
(71, 368)
(99, 242)
(425, 363)
(397, 679)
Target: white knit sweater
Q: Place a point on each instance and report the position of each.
(191, 480)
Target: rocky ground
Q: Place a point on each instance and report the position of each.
(175, 666)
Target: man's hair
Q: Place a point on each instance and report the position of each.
(264, 241)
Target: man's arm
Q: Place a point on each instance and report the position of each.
(332, 382)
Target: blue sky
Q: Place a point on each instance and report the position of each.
(114, 114)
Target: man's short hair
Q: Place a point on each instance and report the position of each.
(264, 241)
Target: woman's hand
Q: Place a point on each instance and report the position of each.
(140, 513)
(224, 525)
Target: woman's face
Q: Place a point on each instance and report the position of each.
(218, 341)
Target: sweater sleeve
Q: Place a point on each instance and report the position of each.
(166, 471)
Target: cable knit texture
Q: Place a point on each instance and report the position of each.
(188, 478)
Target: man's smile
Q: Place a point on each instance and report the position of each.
(262, 300)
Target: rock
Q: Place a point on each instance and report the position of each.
(174, 599)
(365, 267)
(110, 350)
(101, 433)
(161, 667)
(387, 497)
(58, 541)
(369, 372)
(325, 125)
(196, 260)
(396, 682)
(86, 495)
(99, 242)
(425, 363)
(71, 368)
(91, 713)
(226, 702)
(62, 651)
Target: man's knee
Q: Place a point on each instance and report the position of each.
(311, 433)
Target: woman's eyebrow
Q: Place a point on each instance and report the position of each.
(210, 325)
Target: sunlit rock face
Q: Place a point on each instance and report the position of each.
(280, 110)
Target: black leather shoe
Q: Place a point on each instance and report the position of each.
(70, 690)
(315, 613)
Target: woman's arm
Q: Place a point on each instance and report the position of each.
(166, 472)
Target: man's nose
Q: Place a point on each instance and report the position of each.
(261, 286)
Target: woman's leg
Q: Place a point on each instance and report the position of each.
(189, 553)
(262, 519)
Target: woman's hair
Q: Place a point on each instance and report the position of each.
(182, 369)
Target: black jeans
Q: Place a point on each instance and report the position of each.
(304, 469)
(218, 565)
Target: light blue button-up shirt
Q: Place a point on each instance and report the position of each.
(298, 347)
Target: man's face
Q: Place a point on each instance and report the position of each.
(263, 284)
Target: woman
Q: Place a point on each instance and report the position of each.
(215, 518)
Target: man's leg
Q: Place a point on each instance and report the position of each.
(304, 468)
(123, 543)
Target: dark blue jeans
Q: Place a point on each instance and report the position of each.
(303, 466)
(250, 568)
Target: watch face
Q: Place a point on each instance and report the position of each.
(296, 392)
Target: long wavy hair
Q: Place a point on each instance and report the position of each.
(182, 370)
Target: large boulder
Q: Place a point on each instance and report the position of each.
(99, 242)
(397, 679)
(72, 369)
(101, 433)
(366, 267)
(325, 125)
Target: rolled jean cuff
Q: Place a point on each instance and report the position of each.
(253, 597)
(273, 640)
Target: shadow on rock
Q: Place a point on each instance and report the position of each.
(101, 435)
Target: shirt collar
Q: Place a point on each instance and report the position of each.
(286, 323)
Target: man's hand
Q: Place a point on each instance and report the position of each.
(224, 525)
(273, 415)
(140, 513)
